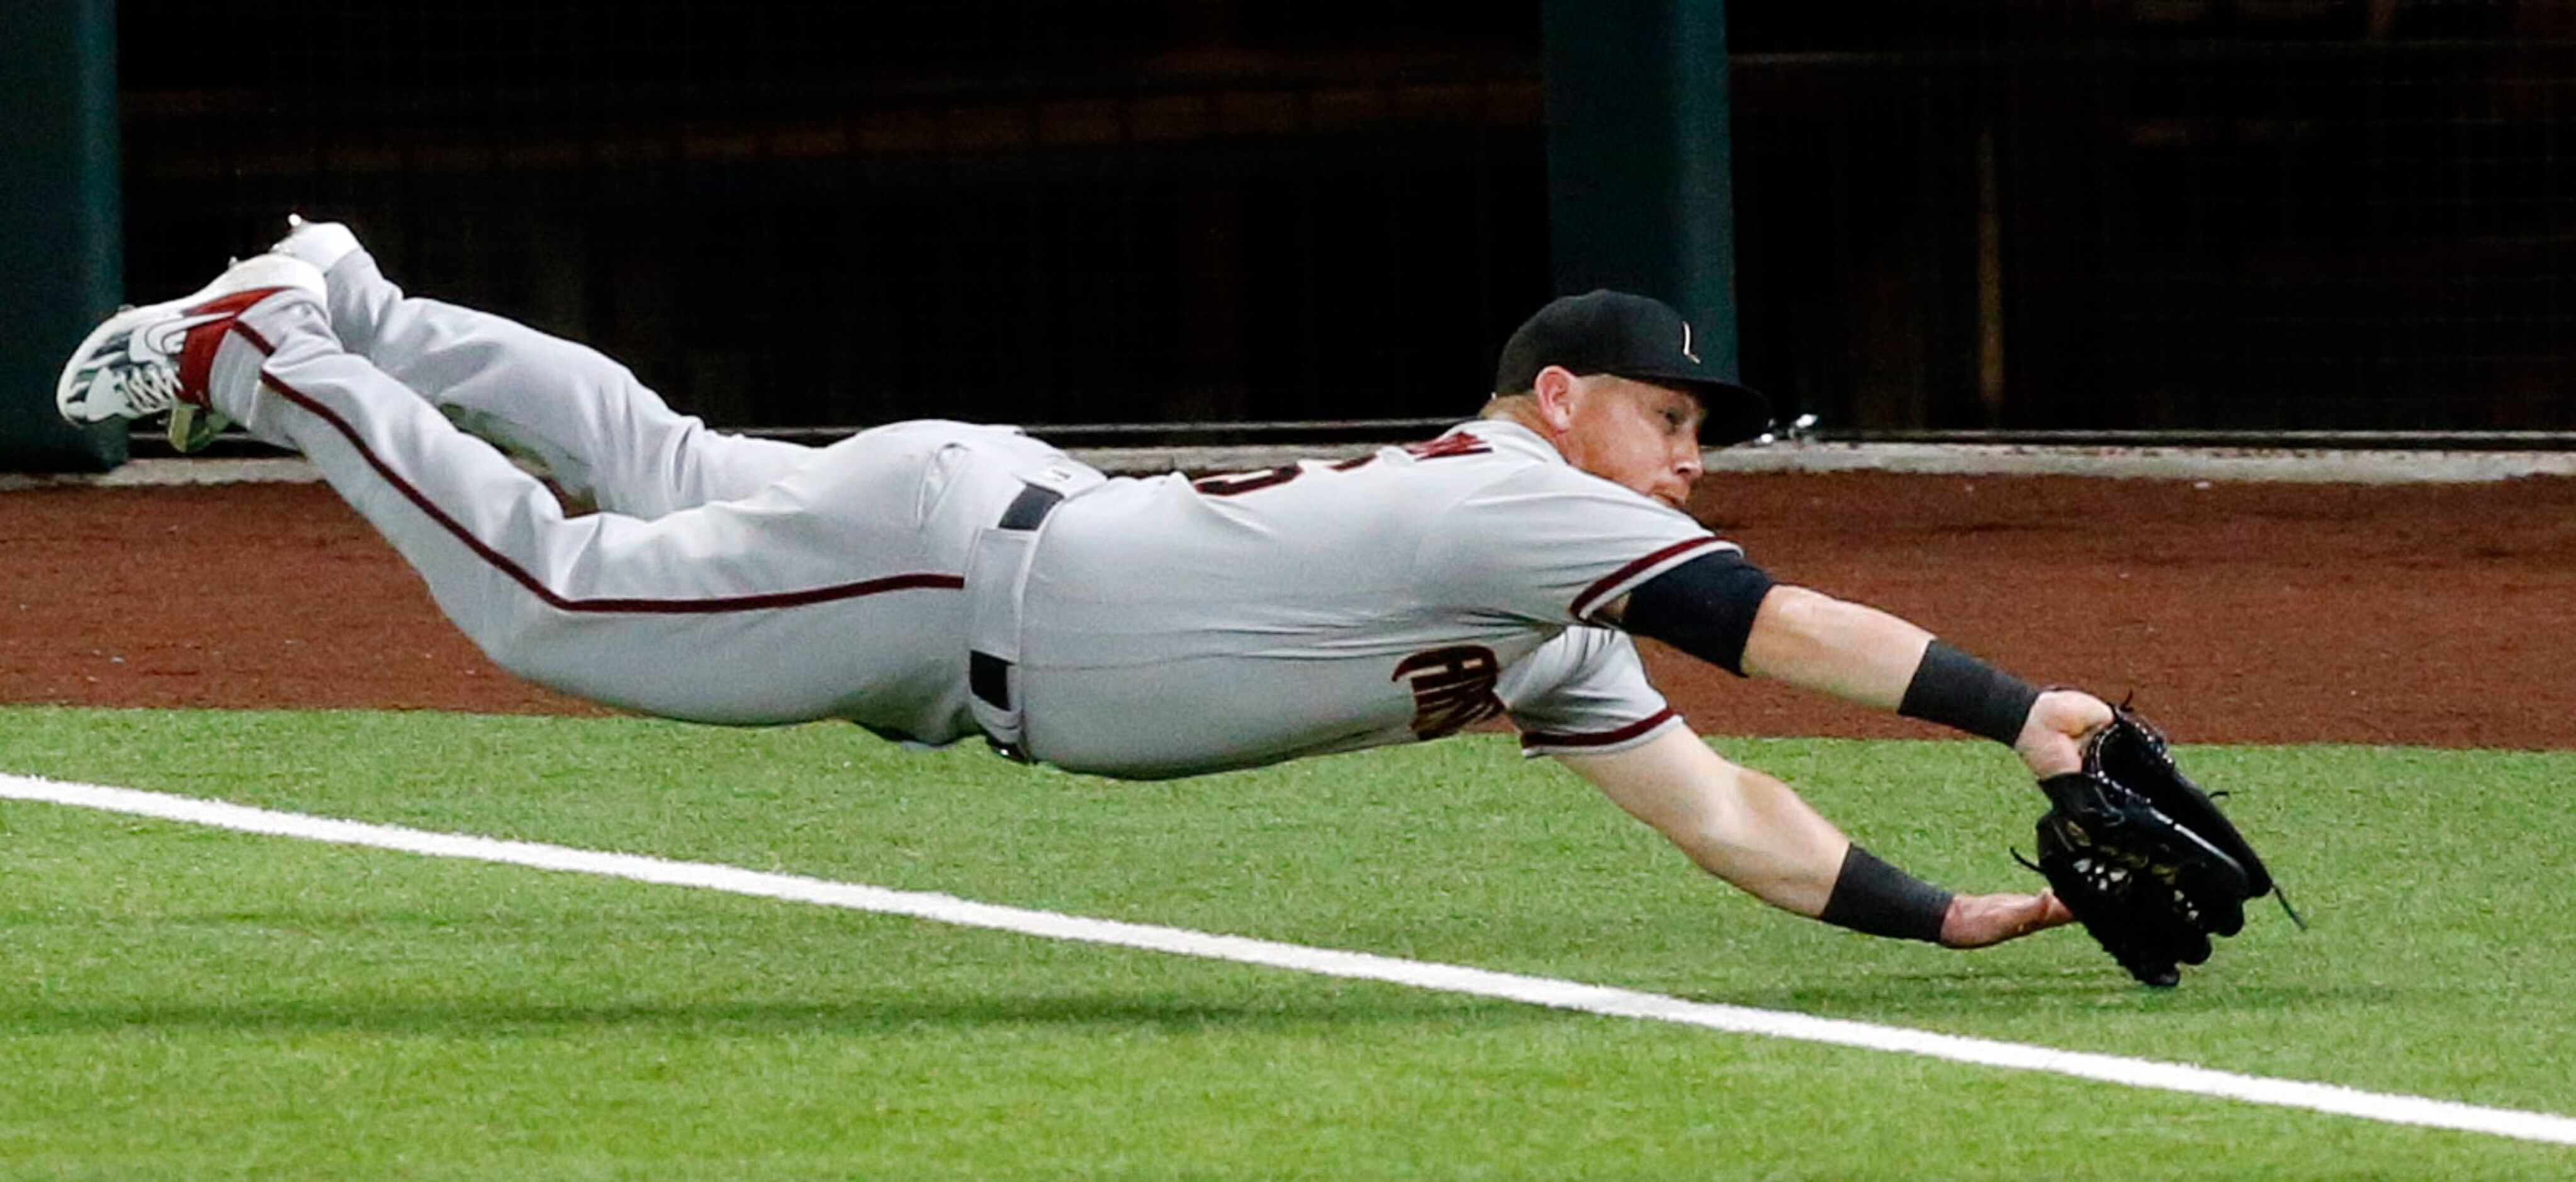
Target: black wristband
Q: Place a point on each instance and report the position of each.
(1957, 690)
(1873, 897)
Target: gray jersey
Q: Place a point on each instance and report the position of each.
(1171, 627)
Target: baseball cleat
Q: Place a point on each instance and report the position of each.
(156, 358)
(319, 243)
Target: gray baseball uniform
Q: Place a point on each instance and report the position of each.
(931, 579)
(1172, 627)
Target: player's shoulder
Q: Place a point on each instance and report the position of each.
(1484, 446)
(1527, 472)
(1435, 474)
(1502, 442)
(1492, 454)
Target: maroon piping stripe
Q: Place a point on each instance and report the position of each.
(252, 335)
(1602, 739)
(520, 575)
(1583, 604)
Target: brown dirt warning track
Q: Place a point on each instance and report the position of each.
(2422, 614)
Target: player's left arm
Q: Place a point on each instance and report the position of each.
(1726, 611)
(1755, 832)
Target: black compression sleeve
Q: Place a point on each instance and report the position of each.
(1957, 690)
(1874, 897)
(1704, 607)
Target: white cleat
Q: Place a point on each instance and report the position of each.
(322, 244)
(154, 359)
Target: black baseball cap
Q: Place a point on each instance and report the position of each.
(1634, 337)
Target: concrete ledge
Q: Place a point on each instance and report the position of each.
(174, 473)
(2311, 466)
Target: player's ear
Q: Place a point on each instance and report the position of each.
(1556, 390)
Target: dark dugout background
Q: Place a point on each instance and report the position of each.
(2199, 214)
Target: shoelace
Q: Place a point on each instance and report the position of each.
(149, 388)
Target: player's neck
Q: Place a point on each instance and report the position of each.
(1520, 412)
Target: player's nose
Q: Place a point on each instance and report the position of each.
(1687, 462)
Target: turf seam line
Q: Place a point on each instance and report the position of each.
(1541, 991)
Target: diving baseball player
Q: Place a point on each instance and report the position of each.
(936, 580)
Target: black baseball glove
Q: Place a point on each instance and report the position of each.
(2141, 856)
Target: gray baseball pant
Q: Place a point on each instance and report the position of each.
(726, 580)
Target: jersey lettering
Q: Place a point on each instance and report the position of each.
(1456, 443)
(1233, 484)
(1453, 688)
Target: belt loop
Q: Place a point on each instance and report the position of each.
(989, 676)
(997, 575)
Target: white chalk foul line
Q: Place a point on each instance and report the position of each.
(1542, 991)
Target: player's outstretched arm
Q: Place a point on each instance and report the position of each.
(1865, 655)
(1754, 832)
(1727, 612)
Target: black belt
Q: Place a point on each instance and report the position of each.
(988, 676)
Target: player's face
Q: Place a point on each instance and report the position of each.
(1643, 436)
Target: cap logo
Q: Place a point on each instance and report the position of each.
(1686, 345)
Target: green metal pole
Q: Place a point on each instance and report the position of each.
(1640, 158)
(61, 221)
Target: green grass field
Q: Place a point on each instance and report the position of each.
(180, 1002)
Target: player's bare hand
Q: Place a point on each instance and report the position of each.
(1977, 921)
(2052, 737)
